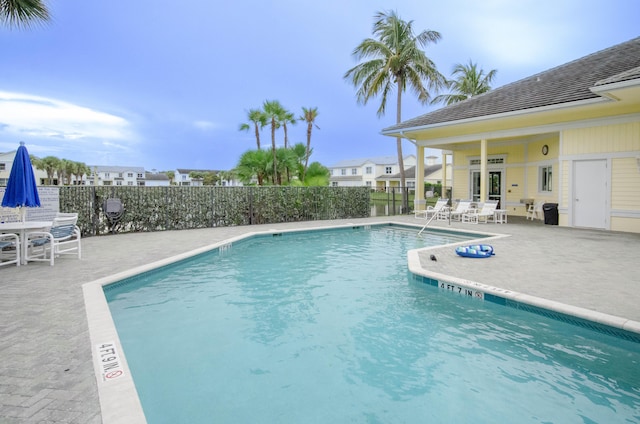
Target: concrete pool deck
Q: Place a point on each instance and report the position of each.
(47, 373)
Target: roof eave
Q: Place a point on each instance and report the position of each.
(605, 90)
(402, 132)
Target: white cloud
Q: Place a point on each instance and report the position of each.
(204, 125)
(41, 117)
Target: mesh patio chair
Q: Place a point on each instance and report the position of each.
(63, 238)
(9, 249)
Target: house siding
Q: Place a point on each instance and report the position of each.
(620, 145)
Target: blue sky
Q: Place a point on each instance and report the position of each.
(138, 83)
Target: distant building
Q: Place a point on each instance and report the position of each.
(115, 176)
(156, 180)
(432, 175)
(383, 172)
(365, 171)
(182, 177)
(6, 162)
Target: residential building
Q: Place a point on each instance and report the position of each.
(115, 176)
(6, 162)
(153, 179)
(568, 136)
(432, 175)
(365, 171)
(182, 177)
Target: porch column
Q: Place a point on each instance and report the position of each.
(419, 203)
(444, 174)
(483, 170)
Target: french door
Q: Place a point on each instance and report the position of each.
(494, 188)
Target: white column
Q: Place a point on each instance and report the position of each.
(419, 203)
(444, 173)
(483, 170)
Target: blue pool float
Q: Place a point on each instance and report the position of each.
(475, 251)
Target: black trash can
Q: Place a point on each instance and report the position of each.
(550, 213)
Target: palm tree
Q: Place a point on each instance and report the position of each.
(49, 164)
(274, 113)
(309, 116)
(253, 164)
(22, 13)
(468, 81)
(171, 175)
(287, 118)
(259, 121)
(396, 59)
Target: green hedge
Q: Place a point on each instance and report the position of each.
(178, 207)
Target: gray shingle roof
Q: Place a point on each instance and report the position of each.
(566, 83)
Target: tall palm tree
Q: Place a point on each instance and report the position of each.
(287, 118)
(468, 81)
(259, 121)
(274, 113)
(309, 116)
(396, 60)
(23, 13)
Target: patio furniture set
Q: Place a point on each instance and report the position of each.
(26, 241)
(465, 211)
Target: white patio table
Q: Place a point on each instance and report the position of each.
(22, 228)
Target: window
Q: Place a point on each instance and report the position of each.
(106, 175)
(387, 170)
(119, 183)
(368, 170)
(3, 166)
(354, 171)
(129, 183)
(119, 174)
(343, 172)
(139, 175)
(334, 184)
(129, 174)
(368, 183)
(546, 178)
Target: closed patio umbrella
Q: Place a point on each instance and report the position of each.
(21, 188)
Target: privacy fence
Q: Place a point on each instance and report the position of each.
(178, 208)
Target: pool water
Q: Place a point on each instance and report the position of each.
(329, 327)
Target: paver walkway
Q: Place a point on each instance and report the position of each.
(46, 371)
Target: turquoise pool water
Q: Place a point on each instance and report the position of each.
(329, 327)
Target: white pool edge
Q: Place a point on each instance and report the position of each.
(415, 267)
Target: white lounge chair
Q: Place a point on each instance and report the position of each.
(535, 210)
(483, 215)
(462, 207)
(9, 249)
(63, 238)
(430, 211)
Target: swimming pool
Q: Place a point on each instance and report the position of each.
(352, 336)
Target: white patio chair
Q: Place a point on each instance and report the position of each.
(483, 215)
(535, 210)
(430, 211)
(9, 249)
(63, 238)
(462, 207)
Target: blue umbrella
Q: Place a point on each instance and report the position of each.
(21, 189)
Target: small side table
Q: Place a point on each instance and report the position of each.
(500, 216)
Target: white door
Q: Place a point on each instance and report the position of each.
(590, 194)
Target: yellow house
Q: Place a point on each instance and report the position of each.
(569, 135)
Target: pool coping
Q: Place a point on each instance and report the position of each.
(119, 401)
